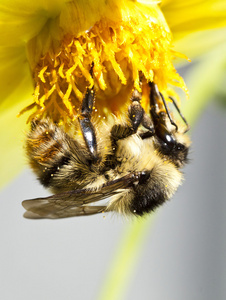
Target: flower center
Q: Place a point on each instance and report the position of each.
(124, 55)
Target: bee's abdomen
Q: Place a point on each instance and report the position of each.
(46, 177)
(47, 150)
(163, 181)
(148, 201)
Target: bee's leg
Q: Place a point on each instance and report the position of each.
(155, 111)
(154, 104)
(135, 111)
(86, 125)
(137, 117)
(159, 116)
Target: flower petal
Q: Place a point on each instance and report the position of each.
(197, 25)
(200, 42)
(12, 131)
(21, 20)
(185, 17)
(14, 69)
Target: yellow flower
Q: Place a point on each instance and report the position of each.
(47, 49)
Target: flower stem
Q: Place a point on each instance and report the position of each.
(126, 258)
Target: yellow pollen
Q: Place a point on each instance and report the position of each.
(125, 55)
(41, 74)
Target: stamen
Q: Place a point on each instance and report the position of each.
(124, 55)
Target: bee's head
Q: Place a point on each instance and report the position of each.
(176, 152)
(169, 140)
(172, 144)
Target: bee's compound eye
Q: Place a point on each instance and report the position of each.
(180, 147)
(144, 176)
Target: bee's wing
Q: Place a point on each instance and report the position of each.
(74, 203)
(52, 211)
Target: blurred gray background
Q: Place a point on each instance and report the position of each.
(183, 257)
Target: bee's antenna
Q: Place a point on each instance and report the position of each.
(180, 113)
(167, 111)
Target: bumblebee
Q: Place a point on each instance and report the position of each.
(134, 166)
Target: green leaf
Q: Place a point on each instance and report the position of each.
(203, 82)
